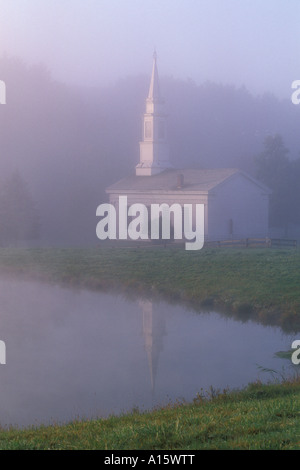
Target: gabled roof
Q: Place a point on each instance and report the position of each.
(203, 180)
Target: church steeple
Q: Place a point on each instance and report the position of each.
(154, 151)
(154, 91)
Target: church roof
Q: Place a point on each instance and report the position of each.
(192, 180)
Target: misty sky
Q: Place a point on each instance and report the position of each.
(95, 42)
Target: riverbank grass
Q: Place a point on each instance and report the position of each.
(261, 417)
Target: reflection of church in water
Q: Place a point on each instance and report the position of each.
(154, 329)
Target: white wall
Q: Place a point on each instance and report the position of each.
(238, 199)
(245, 203)
(178, 197)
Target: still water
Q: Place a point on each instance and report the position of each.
(81, 354)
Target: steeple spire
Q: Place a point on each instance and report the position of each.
(154, 151)
(154, 90)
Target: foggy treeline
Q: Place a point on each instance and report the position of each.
(69, 144)
(19, 219)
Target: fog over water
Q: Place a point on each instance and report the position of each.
(74, 353)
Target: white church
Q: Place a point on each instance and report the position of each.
(235, 204)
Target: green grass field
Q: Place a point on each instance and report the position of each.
(261, 284)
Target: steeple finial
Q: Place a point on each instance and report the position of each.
(154, 92)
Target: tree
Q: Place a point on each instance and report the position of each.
(19, 220)
(281, 175)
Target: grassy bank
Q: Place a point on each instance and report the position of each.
(262, 284)
(260, 417)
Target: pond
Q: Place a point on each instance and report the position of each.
(81, 354)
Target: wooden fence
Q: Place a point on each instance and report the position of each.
(254, 242)
(283, 242)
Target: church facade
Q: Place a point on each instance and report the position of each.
(235, 204)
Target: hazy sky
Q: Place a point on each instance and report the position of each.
(246, 42)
